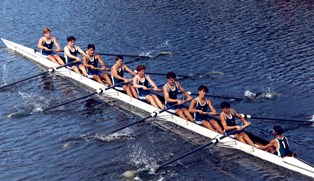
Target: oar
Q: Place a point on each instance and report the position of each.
(183, 76)
(131, 174)
(49, 70)
(224, 97)
(192, 76)
(128, 55)
(277, 119)
(153, 114)
(138, 56)
(99, 91)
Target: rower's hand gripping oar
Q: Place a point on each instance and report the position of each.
(43, 73)
(99, 91)
(153, 114)
(276, 119)
(131, 174)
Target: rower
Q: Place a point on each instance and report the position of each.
(227, 119)
(200, 107)
(71, 54)
(279, 145)
(117, 73)
(140, 82)
(170, 90)
(46, 43)
(90, 62)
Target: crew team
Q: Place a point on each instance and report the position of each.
(201, 110)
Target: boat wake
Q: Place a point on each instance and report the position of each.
(261, 95)
(147, 165)
(123, 134)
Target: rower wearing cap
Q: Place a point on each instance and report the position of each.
(117, 76)
(71, 55)
(91, 62)
(170, 90)
(200, 107)
(227, 119)
(141, 82)
(279, 145)
(46, 44)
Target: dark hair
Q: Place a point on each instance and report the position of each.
(119, 57)
(140, 67)
(171, 75)
(277, 130)
(225, 105)
(203, 87)
(70, 38)
(91, 46)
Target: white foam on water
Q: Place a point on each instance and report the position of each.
(123, 134)
(34, 101)
(249, 94)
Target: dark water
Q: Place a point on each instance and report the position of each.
(257, 46)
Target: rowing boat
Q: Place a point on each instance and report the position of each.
(290, 163)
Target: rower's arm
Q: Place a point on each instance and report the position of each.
(56, 44)
(183, 91)
(245, 122)
(193, 106)
(224, 124)
(114, 73)
(102, 63)
(128, 69)
(68, 54)
(166, 95)
(81, 51)
(135, 83)
(151, 82)
(212, 109)
(272, 143)
(40, 44)
(85, 64)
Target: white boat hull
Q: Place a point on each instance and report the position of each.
(288, 162)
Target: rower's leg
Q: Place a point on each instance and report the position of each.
(75, 69)
(247, 139)
(51, 58)
(97, 78)
(180, 113)
(157, 101)
(206, 124)
(216, 126)
(58, 58)
(133, 91)
(126, 88)
(83, 69)
(239, 137)
(151, 100)
(107, 79)
(187, 114)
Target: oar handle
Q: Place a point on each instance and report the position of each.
(276, 119)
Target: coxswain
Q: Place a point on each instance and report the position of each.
(117, 77)
(91, 62)
(203, 111)
(279, 145)
(46, 44)
(170, 90)
(141, 82)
